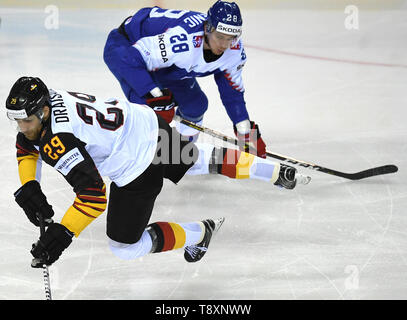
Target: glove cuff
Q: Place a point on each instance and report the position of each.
(247, 130)
(242, 127)
(60, 233)
(27, 190)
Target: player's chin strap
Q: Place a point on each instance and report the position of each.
(44, 122)
(352, 176)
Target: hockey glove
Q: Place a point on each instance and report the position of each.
(251, 142)
(163, 105)
(51, 244)
(32, 200)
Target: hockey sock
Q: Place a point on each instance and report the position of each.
(234, 164)
(195, 232)
(169, 236)
(241, 165)
(159, 237)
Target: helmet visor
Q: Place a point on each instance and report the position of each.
(16, 114)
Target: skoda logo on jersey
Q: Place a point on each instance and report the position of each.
(228, 29)
(161, 45)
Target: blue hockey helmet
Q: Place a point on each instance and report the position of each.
(225, 17)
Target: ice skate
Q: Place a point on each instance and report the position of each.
(196, 252)
(289, 177)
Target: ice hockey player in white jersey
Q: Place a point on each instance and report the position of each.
(84, 138)
(157, 54)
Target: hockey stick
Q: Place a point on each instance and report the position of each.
(45, 270)
(352, 176)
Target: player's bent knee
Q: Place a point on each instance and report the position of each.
(202, 164)
(126, 251)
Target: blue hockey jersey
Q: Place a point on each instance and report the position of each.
(170, 44)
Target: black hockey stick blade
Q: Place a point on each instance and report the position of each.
(377, 171)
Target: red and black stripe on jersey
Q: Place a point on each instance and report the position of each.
(91, 199)
(27, 158)
(24, 147)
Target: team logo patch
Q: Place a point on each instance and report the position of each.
(68, 161)
(236, 46)
(197, 41)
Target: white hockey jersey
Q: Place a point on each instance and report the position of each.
(121, 138)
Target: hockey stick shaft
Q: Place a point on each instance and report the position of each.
(45, 271)
(352, 176)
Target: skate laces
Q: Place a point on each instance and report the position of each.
(194, 250)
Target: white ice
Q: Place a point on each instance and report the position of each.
(332, 239)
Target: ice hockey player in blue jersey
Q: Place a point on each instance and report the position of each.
(156, 55)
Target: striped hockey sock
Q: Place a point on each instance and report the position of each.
(170, 236)
(160, 237)
(236, 164)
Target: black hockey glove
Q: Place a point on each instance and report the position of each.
(32, 200)
(51, 244)
(164, 105)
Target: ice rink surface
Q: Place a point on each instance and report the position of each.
(318, 91)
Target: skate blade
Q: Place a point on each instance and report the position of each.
(218, 224)
(302, 179)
